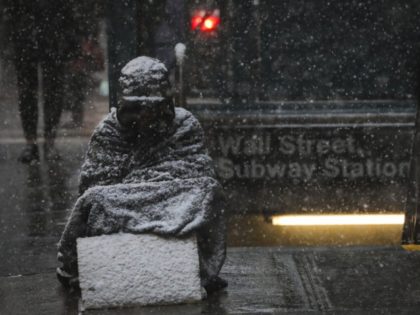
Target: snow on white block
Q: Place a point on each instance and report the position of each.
(126, 269)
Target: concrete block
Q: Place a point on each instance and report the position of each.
(125, 269)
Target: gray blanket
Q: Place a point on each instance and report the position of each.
(163, 184)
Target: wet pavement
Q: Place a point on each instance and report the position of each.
(286, 276)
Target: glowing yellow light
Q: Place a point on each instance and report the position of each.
(339, 219)
(413, 247)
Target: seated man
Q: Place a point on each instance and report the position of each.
(147, 171)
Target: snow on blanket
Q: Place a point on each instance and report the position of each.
(162, 184)
(166, 188)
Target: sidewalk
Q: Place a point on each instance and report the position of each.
(265, 281)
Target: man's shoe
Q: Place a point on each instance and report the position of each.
(29, 154)
(215, 284)
(67, 280)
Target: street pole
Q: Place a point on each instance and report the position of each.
(411, 232)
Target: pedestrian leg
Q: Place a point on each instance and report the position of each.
(27, 82)
(53, 104)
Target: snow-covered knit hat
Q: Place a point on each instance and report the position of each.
(145, 76)
(145, 87)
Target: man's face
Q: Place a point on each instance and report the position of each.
(140, 113)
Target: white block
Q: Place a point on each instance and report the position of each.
(125, 269)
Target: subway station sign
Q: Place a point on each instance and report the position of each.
(294, 157)
(306, 155)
